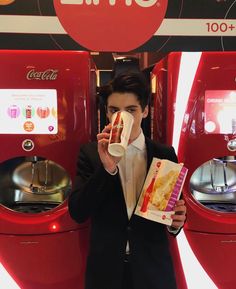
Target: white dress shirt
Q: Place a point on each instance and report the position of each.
(133, 170)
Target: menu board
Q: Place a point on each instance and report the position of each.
(28, 111)
(220, 111)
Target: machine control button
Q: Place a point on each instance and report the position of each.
(231, 145)
(28, 145)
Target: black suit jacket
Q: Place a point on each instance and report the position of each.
(100, 197)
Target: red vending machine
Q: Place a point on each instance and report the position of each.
(47, 110)
(195, 111)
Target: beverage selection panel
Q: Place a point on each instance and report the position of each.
(28, 111)
(220, 108)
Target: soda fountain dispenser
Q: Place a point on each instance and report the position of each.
(194, 110)
(47, 110)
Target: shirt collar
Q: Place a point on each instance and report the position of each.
(139, 142)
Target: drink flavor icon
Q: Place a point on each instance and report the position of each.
(43, 112)
(28, 126)
(13, 111)
(28, 111)
(54, 112)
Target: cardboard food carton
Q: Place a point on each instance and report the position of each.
(162, 188)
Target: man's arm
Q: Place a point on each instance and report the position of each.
(91, 186)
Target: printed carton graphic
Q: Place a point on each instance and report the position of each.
(161, 190)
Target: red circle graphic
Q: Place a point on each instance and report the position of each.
(111, 25)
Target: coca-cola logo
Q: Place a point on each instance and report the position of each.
(49, 74)
(111, 25)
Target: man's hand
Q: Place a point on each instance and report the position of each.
(109, 162)
(179, 216)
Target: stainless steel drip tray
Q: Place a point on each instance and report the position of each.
(229, 197)
(11, 196)
(32, 208)
(217, 190)
(221, 207)
(225, 203)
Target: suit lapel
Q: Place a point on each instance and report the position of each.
(117, 184)
(123, 200)
(150, 152)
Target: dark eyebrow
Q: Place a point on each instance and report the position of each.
(127, 107)
(131, 106)
(112, 107)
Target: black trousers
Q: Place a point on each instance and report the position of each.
(128, 278)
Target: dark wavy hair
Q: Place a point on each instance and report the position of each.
(131, 82)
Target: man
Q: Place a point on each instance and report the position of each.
(126, 251)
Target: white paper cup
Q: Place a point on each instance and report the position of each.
(122, 122)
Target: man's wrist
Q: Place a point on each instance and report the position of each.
(173, 230)
(113, 171)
